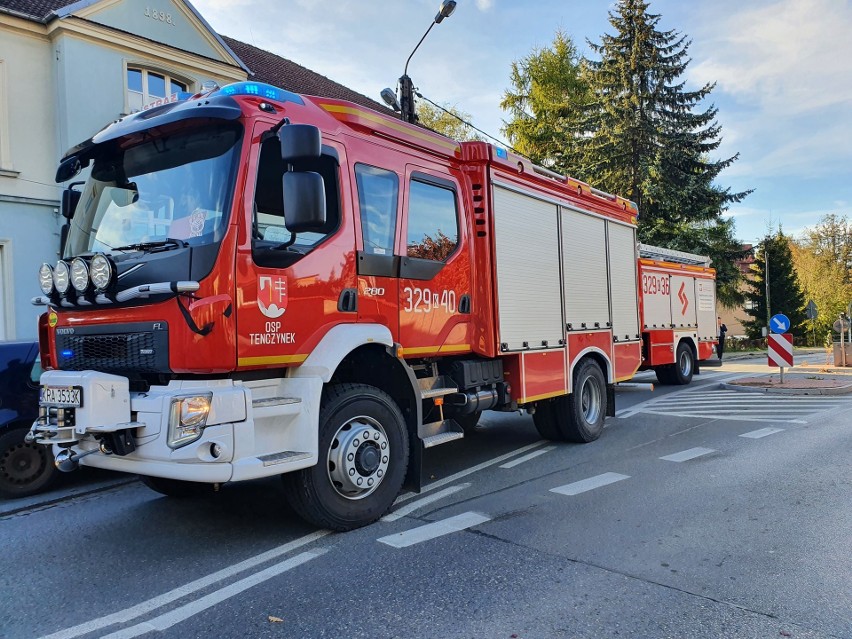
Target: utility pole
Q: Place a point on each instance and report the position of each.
(766, 278)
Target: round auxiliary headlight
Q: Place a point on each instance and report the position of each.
(79, 274)
(100, 272)
(61, 277)
(45, 279)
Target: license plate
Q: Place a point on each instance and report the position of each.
(61, 396)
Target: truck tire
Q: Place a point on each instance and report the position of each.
(680, 373)
(363, 458)
(25, 469)
(578, 417)
(175, 487)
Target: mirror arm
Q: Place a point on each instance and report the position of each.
(287, 244)
(273, 132)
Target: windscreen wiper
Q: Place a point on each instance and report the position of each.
(153, 247)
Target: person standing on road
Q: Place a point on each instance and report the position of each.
(722, 330)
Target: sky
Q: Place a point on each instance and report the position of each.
(782, 71)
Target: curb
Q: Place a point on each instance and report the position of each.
(838, 390)
(15, 506)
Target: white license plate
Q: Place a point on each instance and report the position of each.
(61, 396)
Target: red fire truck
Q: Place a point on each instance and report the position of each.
(678, 308)
(260, 283)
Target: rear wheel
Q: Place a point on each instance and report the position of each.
(25, 469)
(176, 487)
(363, 457)
(578, 417)
(680, 373)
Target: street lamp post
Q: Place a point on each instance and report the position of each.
(406, 86)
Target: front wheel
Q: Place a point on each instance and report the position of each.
(363, 458)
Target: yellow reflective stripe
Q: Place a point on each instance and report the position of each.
(419, 350)
(536, 398)
(391, 124)
(271, 359)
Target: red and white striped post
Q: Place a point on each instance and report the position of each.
(780, 351)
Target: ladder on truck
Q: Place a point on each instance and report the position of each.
(648, 252)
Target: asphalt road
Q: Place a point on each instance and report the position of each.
(699, 513)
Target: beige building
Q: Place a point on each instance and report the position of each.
(69, 68)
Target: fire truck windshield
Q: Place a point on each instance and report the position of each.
(167, 191)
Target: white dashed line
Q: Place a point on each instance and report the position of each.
(686, 455)
(470, 471)
(410, 508)
(526, 458)
(169, 619)
(433, 530)
(763, 432)
(591, 483)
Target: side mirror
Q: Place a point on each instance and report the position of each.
(304, 201)
(70, 199)
(63, 237)
(69, 167)
(300, 142)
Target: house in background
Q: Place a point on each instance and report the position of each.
(69, 68)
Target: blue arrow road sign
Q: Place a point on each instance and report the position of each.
(779, 323)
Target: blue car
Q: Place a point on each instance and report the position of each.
(25, 469)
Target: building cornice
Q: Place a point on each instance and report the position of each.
(128, 43)
(23, 26)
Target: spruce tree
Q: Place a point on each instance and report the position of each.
(649, 140)
(785, 294)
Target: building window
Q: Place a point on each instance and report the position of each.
(144, 87)
(5, 148)
(433, 230)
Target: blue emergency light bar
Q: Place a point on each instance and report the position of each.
(261, 90)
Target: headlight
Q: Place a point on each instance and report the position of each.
(187, 419)
(101, 272)
(45, 279)
(79, 274)
(61, 277)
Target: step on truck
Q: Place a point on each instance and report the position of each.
(260, 283)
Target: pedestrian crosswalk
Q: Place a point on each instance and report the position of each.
(739, 406)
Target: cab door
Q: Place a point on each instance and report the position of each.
(379, 205)
(434, 269)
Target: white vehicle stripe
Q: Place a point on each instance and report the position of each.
(686, 455)
(169, 619)
(433, 530)
(591, 483)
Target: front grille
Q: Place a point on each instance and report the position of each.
(104, 349)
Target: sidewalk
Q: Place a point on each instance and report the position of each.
(802, 379)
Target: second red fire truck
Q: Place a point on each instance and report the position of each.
(260, 283)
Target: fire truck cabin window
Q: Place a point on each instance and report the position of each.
(378, 194)
(433, 231)
(270, 235)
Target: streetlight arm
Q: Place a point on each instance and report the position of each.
(417, 47)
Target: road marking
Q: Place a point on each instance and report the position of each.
(410, 508)
(182, 591)
(686, 455)
(169, 619)
(763, 432)
(433, 530)
(591, 483)
(526, 458)
(469, 471)
(729, 417)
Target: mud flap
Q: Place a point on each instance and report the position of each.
(610, 400)
(414, 478)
